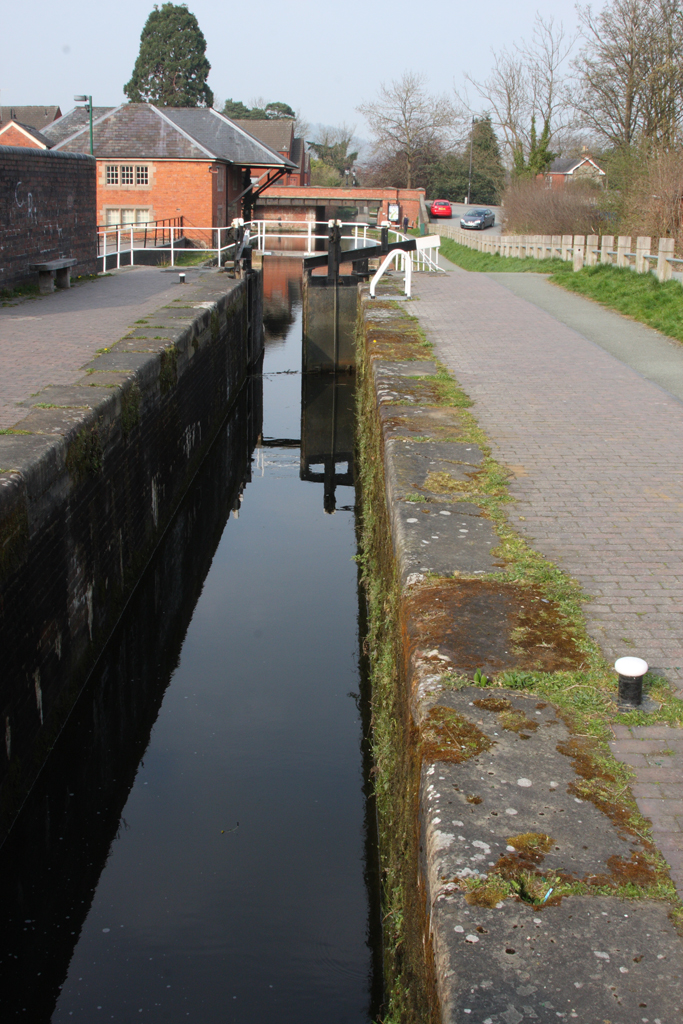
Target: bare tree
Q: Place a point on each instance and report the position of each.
(527, 85)
(406, 122)
(630, 72)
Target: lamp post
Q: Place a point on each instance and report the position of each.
(469, 180)
(88, 101)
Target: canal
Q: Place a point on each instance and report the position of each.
(200, 844)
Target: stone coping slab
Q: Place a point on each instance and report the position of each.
(443, 538)
(591, 960)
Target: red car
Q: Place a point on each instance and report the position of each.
(441, 208)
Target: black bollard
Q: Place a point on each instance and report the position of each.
(631, 672)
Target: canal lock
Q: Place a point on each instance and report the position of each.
(201, 842)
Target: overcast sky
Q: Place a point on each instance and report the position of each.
(321, 59)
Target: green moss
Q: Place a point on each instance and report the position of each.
(168, 372)
(84, 455)
(130, 409)
(410, 997)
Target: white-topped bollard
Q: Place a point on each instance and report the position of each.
(181, 278)
(631, 672)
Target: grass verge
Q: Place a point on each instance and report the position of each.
(641, 296)
(484, 262)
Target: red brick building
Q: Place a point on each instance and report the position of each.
(13, 133)
(22, 126)
(162, 163)
(318, 202)
(565, 170)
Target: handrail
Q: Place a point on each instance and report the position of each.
(115, 242)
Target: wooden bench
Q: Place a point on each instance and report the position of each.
(53, 273)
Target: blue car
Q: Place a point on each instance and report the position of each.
(479, 218)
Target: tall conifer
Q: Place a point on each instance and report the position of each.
(171, 69)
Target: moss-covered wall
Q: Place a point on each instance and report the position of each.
(88, 482)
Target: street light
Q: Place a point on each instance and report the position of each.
(88, 101)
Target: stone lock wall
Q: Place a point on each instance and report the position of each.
(47, 210)
(88, 483)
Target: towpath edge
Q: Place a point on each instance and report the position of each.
(517, 884)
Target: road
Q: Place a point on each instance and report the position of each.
(460, 208)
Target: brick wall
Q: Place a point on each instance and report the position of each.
(333, 198)
(187, 188)
(47, 208)
(13, 136)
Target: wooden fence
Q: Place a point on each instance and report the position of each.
(650, 254)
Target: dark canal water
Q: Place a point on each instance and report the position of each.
(200, 846)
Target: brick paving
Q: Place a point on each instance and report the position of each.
(597, 456)
(48, 339)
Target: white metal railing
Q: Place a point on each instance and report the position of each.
(118, 245)
(425, 258)
(404, 262)
(305, 231)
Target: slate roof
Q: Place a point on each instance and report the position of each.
(567, 166)
(33, 117)
(71, 122)
(225, 138)
(141, 131)
(38, 136)
(276, 133)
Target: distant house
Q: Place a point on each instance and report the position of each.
(33, 117)
(566, 170)
(162, 163)
(278, 134)
(13, 133)
(22, 126)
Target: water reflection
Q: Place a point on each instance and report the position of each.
(327, 432)
(199, 846)
(281, 296)
(52, 861)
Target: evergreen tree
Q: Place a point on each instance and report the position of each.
(540, 155)
(486, 160)
(171, 68)
(270, 112)
(450, 175)
(279, 111)
(237, 110)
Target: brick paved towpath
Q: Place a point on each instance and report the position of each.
(596, 449)
(47, 339)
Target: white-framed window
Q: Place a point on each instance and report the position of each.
(220, 179)
(127, 175)
(127, 215)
